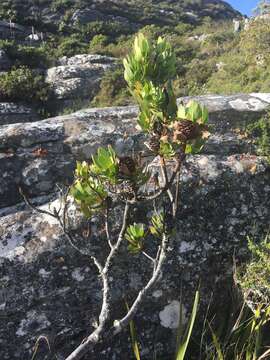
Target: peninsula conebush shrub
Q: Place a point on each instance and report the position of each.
(110, 186)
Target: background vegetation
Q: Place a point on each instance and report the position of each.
(211, 58)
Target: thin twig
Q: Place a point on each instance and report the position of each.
(107, 227)
(62, 223)
(165, 178)
(121, 324)
(33, 207)
(157, 257)
(148, 256)
(176, 198)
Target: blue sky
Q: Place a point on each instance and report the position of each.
(244, 6)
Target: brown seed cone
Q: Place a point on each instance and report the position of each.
(127, 166)
(185, 130)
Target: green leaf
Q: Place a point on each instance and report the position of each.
(134, 235)
(182, 113)
(88, 191)
(105, 164)
(195, 147)
(205, 115)
(166, 150)
(144, 121)
(194, 111)
(157, 227)
(181, 351)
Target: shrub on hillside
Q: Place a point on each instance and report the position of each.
(98, 43)
(22, 84)
(112, 29)
(25, 55)
(71, 46)
(256, 41)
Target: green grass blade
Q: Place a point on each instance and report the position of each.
(133, 334)
(216, 344)
(180, 328)
(184, 344)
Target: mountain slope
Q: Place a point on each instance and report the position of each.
(43, 31)
(137, 11)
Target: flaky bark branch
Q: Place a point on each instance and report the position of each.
(104, 316)
(101, 333)
(165, 180)
(176, 198)
(121, 324)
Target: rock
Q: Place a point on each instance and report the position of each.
(5, 63)
(84, 16)
(236, 25)
(79, 78)
(47, 288)
(52, 146)
(11, 113)
(88, 15)
(170, 315)
(86, 59)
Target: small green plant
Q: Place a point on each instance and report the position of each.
(98, 43)
(245, 340)
(70, 46)
(261, 132)
(253, 277)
